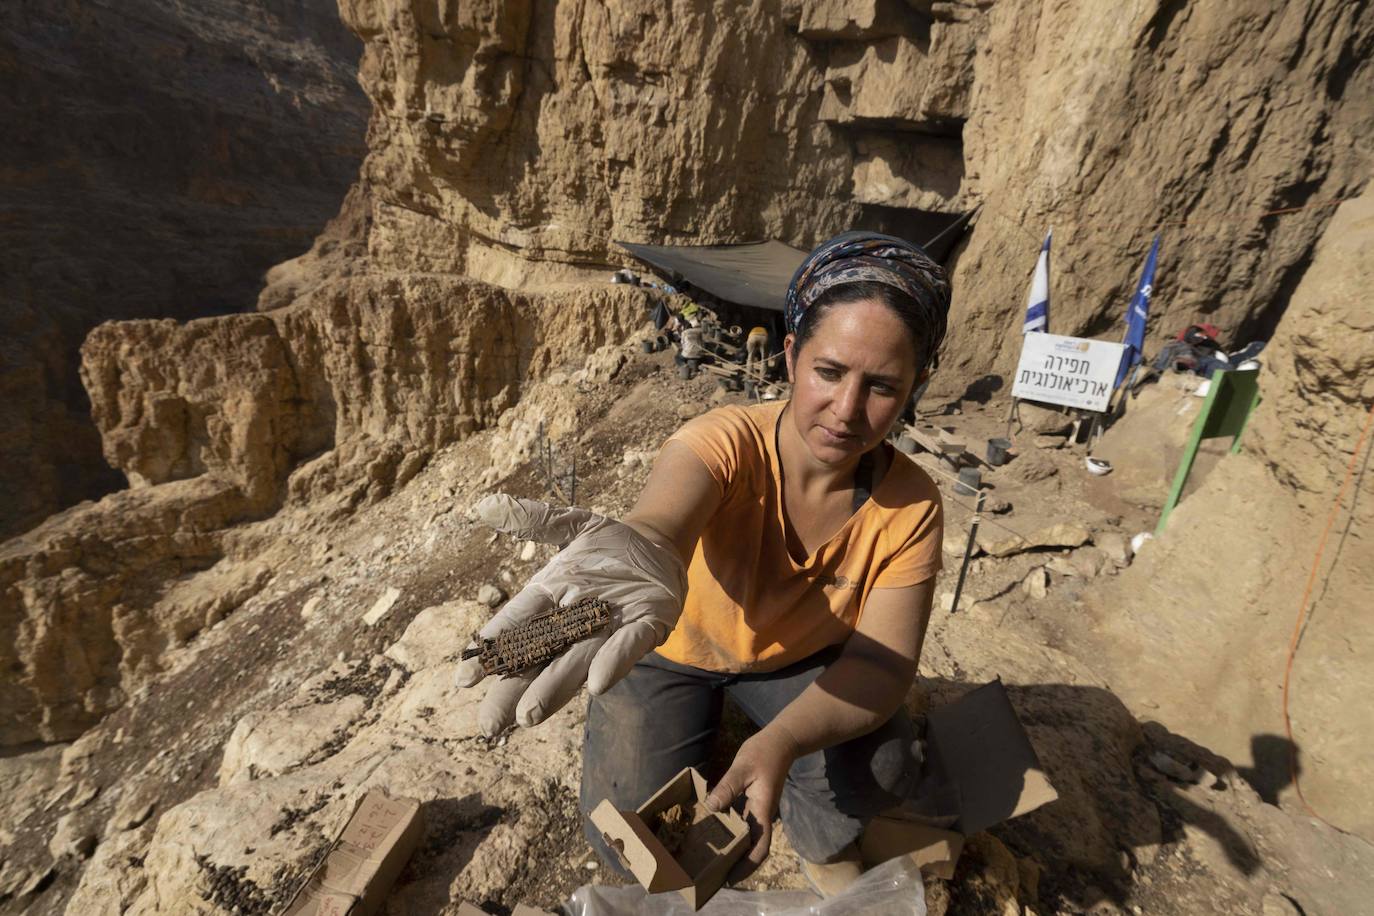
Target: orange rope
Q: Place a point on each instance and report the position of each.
(1302, 614)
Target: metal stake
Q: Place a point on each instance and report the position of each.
(968, 549)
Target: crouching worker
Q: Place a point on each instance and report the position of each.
(781, 554)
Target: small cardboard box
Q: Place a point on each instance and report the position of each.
(980, 770)
(713, 843)
(364, 860)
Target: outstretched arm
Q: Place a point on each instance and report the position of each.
(677, 501)
(638, 566)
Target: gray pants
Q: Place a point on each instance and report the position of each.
(662, 717)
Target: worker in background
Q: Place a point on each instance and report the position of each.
(756, 351)
(692, 349)
(780, 553)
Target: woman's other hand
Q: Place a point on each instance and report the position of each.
(757, 773)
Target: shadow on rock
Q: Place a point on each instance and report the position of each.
(1107, 823)
(983, 388)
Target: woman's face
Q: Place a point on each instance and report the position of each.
(851, 380)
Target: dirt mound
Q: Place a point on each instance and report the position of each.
(1199, 628)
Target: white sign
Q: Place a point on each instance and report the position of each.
(1067, 370)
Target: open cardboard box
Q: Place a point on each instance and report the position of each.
(980, 770)
(364, 860)
(713, 842)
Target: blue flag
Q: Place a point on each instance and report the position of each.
(1136, 315)
(1038, 303)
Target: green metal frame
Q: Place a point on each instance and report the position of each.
(1231, 399)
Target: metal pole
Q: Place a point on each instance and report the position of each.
(968, 550)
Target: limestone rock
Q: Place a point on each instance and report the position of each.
(311, 606)
(1061, 566)
(382, 607)
(956, 542)
(490, 595)
(827, 19)
(35, 879)
(12, 877)
(75, 836)
(1088, 562)
(1115, 546)
(270, 743)
(129, 818)
(1137, 105)
(79, 591)
(1063, 534)
(1039, 420)
(605, 364)
(438, 633)
(1032, 466)
(217, 420)
(1036, 584)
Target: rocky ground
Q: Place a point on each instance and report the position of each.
(213, 789)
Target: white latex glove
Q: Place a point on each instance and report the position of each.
(601, 558)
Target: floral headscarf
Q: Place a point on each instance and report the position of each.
(856, 257)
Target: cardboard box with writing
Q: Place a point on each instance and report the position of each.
(712, 843)
(364, 860)
(980, 770)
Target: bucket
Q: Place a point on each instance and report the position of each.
(997, 451)
(647, 346)
(970, 479)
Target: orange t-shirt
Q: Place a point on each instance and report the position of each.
(750, 606)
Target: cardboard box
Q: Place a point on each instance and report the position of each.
(713, 843)
(980, 770)
(364, 860)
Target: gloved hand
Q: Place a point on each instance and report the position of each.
(601, 558)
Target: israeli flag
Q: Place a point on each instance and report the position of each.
(1135, 317)
(1038, 305)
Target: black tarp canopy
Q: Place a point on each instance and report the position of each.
(754, 274)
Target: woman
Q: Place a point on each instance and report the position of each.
(810, 549)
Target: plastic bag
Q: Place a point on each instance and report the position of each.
(893, 889)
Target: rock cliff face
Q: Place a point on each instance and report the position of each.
(334, 401)
(157, 159)
(519, 139)
(1173, 117)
